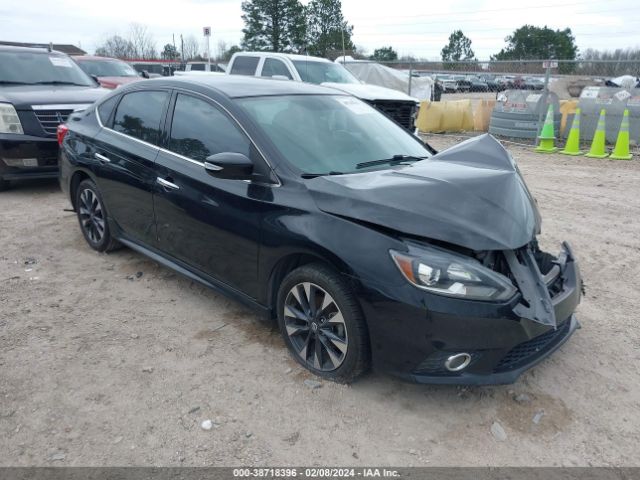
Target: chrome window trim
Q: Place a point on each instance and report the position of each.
(164, 150)
(62, 106)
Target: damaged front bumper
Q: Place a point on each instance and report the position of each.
(502, 341)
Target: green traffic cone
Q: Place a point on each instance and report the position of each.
(547, 135)
(621, 150)
(573, 140)
(599, 139)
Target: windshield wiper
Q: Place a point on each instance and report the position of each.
(314, 175)
(10, 82)
(391, 161)
(59, 82)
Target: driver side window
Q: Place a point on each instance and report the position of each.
(199, 129)
(274, 67)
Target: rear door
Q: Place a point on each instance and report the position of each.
(211, 224)
(244, 65)
(125, 152)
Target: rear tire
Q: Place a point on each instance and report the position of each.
(92, 217)
(322, 324)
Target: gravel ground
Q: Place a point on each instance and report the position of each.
(114, 360)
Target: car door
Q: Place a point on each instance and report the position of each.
(272, 67)
(211, 224)
(125, 152)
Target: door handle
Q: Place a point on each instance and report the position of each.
(102, 158)
(167, 184)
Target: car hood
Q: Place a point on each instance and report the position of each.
(370, 92)
(112, 82)
(471, 195)
(23, 96)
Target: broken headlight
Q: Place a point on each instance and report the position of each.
(451, 274)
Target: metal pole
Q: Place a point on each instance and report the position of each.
(410, 76)
(545, 96)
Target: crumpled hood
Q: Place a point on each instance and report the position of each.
(366, 91)
(470, 195)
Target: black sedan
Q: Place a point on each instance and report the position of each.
(367, 246)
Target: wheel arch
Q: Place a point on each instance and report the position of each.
(289, 263)
(77, 177)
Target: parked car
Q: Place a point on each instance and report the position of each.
(464, 84)
(38, 91)
(367, 246)
(491, 82)
(301, 68)
(203, 67)
(533, 83)
(505, 82)
(449, 85)
(476, 84)
(109, 72)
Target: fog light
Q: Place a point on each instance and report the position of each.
(457, 362)
(21, 162)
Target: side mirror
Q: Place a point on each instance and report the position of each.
(144, 74)
(229, 165)
(280, 77)
(95, 79)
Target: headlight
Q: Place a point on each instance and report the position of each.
(9, 121)
(447, 273)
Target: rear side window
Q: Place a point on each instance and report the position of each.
(243, 65)
(139, 115)
(105, 109)
(199, 130)
(274, 67)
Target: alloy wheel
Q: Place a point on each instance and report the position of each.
(91, 215)
(315, 326)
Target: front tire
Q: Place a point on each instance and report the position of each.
(322, 324)
(92, 216)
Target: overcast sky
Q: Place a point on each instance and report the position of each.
(412, 27)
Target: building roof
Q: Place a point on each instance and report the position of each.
(60, 47)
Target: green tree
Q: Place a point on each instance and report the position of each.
(458, 48)
(273, 25)
(535, 43)
(384, 54)
(325, 27)
(226, 56)
(169, 52)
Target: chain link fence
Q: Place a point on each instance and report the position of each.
(554, 80)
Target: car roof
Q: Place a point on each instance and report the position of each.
(236, 86)
(96, 58)
(11, 48)
(290, 56)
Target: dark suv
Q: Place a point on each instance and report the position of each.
(38, 91)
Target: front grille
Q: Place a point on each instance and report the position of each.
(401, 112)
(50, 119)
(527, 351)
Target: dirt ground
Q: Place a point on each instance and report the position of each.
(114, 360)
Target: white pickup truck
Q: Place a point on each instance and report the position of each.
(400, 107)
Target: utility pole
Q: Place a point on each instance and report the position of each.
(207, 34)
(181, 48)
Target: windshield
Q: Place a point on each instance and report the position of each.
(32, 68)
(107, 68)
(321, 134)
(320, 72)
